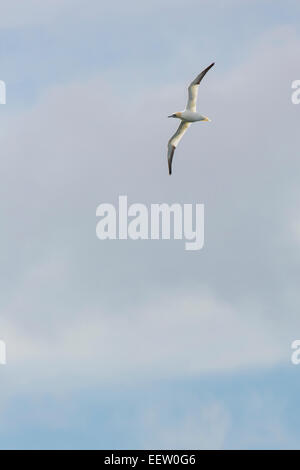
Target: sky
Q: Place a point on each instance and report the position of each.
(123, 344)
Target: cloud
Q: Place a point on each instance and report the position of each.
(79, 311)
(31, 12)
(176, 337)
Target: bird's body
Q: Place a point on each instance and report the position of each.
(190, 116)
(187, 116)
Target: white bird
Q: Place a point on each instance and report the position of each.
(187, 116)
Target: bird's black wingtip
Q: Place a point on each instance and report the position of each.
(170, 159)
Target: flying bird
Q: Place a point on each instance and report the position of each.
(187, 116)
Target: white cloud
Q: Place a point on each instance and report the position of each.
(178, 336)
(17, 14)
(74, 309)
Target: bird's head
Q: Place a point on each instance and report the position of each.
(175, 115)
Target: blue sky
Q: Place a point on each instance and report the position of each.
(141, 344)
(253, 410)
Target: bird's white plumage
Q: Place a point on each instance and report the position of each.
(192, 98)
(175, 139)
(173, 142)
(193, 89)
(187, 116)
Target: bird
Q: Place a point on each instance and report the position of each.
(187, 116)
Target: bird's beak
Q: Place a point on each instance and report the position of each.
(172, 115)
(207, 119)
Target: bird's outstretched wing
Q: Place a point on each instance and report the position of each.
(193, 89)
(173, 142)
